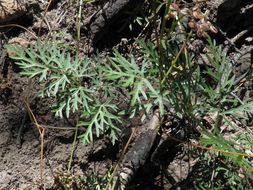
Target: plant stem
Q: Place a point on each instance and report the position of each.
(73, 149)
(78, 22)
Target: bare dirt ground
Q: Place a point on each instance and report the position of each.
(20, 163)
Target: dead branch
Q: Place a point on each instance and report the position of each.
(137, 154)
(102, 19)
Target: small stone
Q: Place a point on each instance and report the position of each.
(249, 39)
(24, 186)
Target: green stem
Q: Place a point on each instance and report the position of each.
(173, 63)
(78, 22)
(73, 150)
(160, 38)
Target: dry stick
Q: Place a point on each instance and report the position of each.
(213, 149)
(121, 157)
(19, 26)
(73, 149)
(233, 40)
(138, 154)
(57, 21)
(44, 15)
(41, 132)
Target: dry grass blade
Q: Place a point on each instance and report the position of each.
(41, 131)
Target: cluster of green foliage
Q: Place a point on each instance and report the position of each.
(166, 77)
(76, 85)
(91, 181)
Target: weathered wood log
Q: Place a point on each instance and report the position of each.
(98, 22)
(11, 9)
(137, 154)
(234, 15)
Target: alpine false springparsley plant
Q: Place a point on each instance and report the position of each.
(73, 83)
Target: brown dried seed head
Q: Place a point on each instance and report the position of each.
(192, 25)
(213, 29)
(197, 1)
(195, 8)
(172, 15)
(166, 16)
(204, 34)
(204, 26)
(185, 11)
(207, 13)
(198, 15)
(208, 23)
(174, 7)
(200, 33)
(203, 20)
